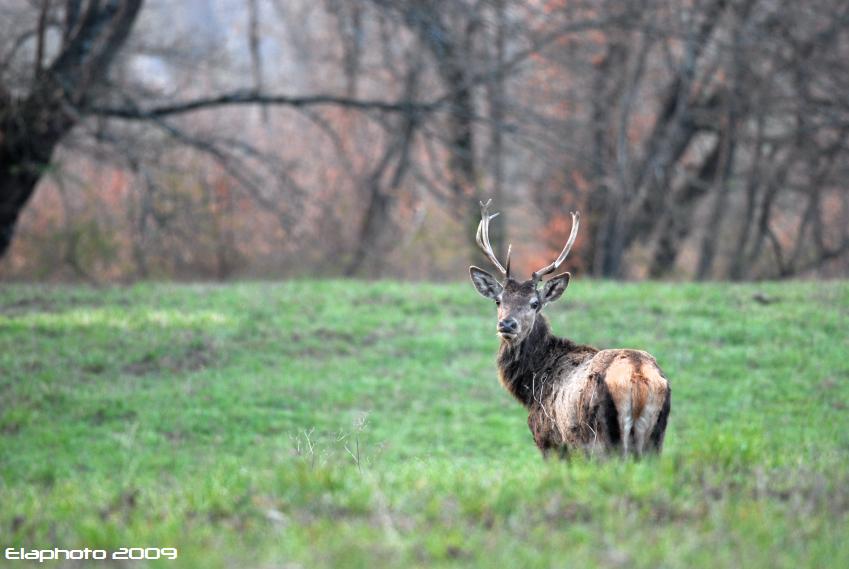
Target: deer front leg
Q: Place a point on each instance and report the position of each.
(541, 431)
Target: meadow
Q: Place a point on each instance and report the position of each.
(349, 424)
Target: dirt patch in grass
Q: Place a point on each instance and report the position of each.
(54, 305)
(26, 305)
(374, 300)
(195, 357)
(102, 416)
(324, 342)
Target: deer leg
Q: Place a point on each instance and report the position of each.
(659, 428)
(640, 430)
(550, 451)
(644, 425)
(623, 415)
(625, 426)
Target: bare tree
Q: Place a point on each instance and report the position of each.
(701, 139)
(714, 146)
(36, 116)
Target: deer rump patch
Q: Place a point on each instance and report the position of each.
(638, 391)
(634, 380)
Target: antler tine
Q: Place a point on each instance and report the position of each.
(576, 222)
(482, 239)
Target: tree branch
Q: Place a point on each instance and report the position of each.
(250, 97)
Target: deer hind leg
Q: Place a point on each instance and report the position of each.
(645, 424)
(659, 429)
(626, 423)
(642, 427)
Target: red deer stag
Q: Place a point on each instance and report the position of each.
(577, 397)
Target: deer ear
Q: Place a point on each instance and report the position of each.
(555, 287)
(485, 283)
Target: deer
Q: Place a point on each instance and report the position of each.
(578, 398)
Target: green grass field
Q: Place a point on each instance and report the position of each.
(344, 424)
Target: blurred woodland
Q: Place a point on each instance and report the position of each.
(218, 139)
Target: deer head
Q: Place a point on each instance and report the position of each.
(518, 302)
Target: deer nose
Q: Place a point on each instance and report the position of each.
(507, 325)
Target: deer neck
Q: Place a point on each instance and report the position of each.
(525, 368)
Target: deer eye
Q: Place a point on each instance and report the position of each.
(534, 303)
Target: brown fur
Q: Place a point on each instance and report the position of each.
(578, 397)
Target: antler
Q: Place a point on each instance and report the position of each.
(576, 221)
(482, 238)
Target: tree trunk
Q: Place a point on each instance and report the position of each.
(377, 229)
(27, 142)
(601, 207)
(371, 242)
(496, 95)
(678, 221)
(32, 126)
(450, 51)
(717, 216)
